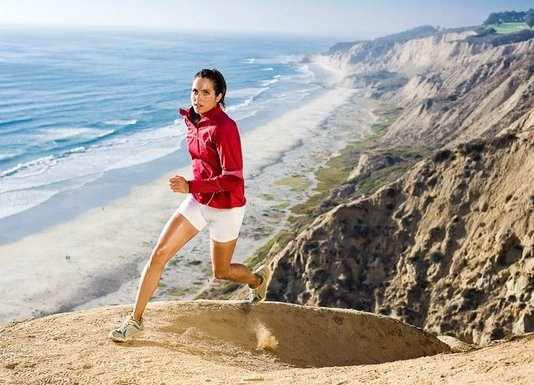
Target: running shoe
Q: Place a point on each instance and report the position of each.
(258, 293)
(127, 330)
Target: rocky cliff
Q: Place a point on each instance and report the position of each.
(454, 87)
(450, 245)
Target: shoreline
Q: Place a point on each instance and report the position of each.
(107, 247)
(69, 204)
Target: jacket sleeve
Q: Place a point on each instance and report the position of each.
(228, 145)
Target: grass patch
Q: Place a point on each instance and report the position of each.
(230, 287)
(387, 113)
(296, 183)
(379, 128)
(283, 206)
(179, 292)
(267, 197)
(261, 253)
(372, 182)
(505, 28)
(219, 290)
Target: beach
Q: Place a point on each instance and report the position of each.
(96, 258)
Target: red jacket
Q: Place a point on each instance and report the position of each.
(215, 148)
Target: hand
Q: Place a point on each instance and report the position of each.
(179, 184)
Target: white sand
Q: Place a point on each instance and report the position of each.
(107, 247)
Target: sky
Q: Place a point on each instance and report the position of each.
(342, 19)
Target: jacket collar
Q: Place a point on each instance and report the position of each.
(207, 116)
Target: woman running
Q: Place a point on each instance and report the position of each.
(215, 198)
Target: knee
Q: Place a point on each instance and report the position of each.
(221, 274)
(159, 258)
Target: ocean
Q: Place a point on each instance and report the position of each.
(87, 115)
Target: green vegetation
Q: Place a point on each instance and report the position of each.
(283, 206)
(370, 183)
(267, 197)
(230, 287)
(508, 17)
(179, 293)
(485, 31)
(507, 22)
(337, 170)
(283, 237)
(297, 183)
(505, 28)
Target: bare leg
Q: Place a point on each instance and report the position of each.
(176, 233)
(221, 258)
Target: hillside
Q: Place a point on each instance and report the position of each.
(449, 246)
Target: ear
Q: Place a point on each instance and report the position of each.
(219, 97)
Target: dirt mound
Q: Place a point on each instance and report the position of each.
(302, 336)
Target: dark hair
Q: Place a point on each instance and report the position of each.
(218, 81)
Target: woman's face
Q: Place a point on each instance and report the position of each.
(203, 96)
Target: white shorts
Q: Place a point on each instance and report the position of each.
(224, 224)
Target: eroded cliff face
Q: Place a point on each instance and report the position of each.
(448, 247)
(453, 87)
(481, 95)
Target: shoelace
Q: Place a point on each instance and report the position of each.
(129, 321)
(252, 295)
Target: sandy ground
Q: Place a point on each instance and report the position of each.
(96, 258)
(224, 342)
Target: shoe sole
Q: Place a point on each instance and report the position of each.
(118, 339)
(122, 339)
(265, 278)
